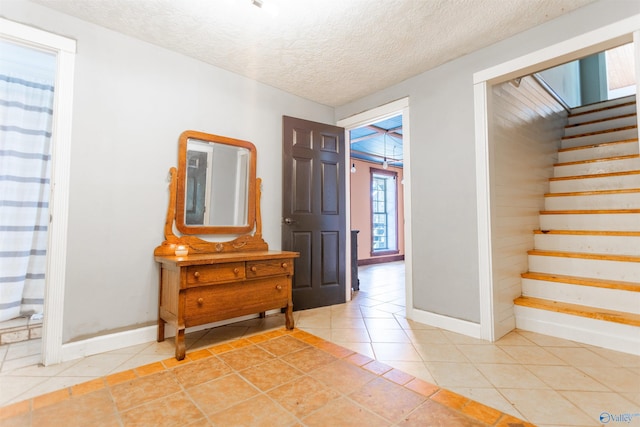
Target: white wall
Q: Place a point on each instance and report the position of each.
(445, 246)
(526, 126)
(132, 100)
(565, 81)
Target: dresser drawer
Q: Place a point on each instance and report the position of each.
(206, 304)
(272, 267)
(198, 275)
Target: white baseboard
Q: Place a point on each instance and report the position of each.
(503, 327)
(452, 324)
(104, 343)
(146, 334)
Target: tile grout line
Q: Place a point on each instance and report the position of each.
(168, 365)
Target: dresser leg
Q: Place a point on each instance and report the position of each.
(288, 316)
(180, 348)
(161, 324)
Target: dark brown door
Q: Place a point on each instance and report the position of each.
(313, 204)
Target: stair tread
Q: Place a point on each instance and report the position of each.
(590, 211)
(609, 107)
(583, 281)
(594, 192)
(589, 232)
(585, 255)
(605, 119)
(632, 319)
(600, 132)
(596, 175)
(601, 159)
(599, 145)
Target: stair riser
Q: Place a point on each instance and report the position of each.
(605, 104)
(614, 336)
(621, 165)
(594, 268)
(625, 149)
(599, 138)
(601, 201)
(613, 123)
(600, 222)
(611, 299)
(599, 115)
(618, 245)
(595, 184)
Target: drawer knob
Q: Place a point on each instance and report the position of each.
(236, 271)
(279, 287)
(284, 265)
(196, 274)
(200, 301)
(254, 268)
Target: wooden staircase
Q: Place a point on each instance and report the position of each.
(583, 282)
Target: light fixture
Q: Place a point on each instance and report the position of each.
(385, 163)
(353, 168)
(266, 7)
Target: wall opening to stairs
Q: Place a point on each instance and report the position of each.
(519, 138)
(598, 77)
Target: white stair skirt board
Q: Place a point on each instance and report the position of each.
(595, 268)
(592, 296)
(610, 123)
(624, 200)
(588, 243)
(622, 110)
(596, 183)
(603, 104)
(599, 138)
(611, 335)
(592, 168)
(595, 221)
(599, 152)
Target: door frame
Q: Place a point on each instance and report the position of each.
(603, 38)
(65, 49)
(400, 106)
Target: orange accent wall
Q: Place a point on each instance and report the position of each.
(361, 206)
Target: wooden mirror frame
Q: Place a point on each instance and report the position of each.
(181, 185)
(195, 245)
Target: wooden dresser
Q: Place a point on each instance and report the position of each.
(203, 288)
(204, 281)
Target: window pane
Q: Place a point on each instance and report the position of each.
(383, 215)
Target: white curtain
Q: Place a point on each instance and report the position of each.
(26, 102)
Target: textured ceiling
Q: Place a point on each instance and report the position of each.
(329, 51)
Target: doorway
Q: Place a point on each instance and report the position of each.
(377, 196)
(63, 50)
(363, 171)
(491, 296)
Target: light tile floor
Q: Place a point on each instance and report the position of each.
(271, 379)
(541, 379)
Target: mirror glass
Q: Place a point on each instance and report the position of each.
(216, 185)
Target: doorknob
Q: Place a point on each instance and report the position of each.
(289, 221)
